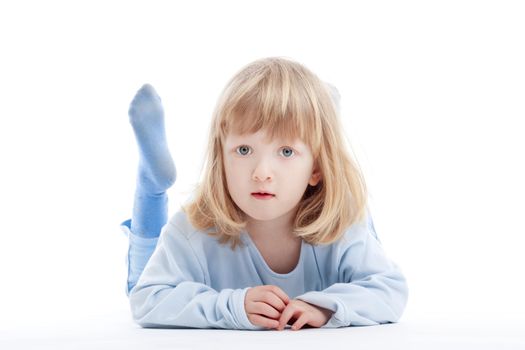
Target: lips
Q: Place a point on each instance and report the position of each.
(262, 195)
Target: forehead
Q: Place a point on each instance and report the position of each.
(263, 137)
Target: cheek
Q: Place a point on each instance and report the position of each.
(234, 175)
(232, 169)
(303, 171)
(297, 179)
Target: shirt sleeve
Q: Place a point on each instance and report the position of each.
(370, 290)
(173, 292)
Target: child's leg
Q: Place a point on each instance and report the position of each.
(156, 172)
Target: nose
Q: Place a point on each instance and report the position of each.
(262, 172)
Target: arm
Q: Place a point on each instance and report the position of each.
(173, 290)
(370, 290)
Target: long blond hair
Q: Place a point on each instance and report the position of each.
(286, 100)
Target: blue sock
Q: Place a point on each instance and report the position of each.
(156, 171)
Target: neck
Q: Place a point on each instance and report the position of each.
(277, 229)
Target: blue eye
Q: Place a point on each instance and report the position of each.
(287, 152)
(243, 150)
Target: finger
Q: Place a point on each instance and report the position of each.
(273, 300)
(286, 315)
(280, 293)
(301, 321)
(265, 310)
(259, 320)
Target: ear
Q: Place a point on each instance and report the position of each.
(315, 178)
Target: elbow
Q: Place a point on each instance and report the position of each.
(140, 308)
(399, 299)
(394, 297)
(137, 310)
(142, 318)
(148, 306)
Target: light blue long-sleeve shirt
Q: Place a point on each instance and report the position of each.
(193, 281)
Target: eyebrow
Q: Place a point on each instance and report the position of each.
(296, 144)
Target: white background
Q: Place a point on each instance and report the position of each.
(432, 102)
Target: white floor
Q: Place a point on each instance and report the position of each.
(117, 331)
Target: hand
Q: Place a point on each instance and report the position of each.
(264, 304)
(303, 313)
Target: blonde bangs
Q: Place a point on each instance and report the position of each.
(279, 99)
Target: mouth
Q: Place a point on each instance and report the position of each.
(262, 195)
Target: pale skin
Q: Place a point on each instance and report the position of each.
(283, 168)
(269, 306)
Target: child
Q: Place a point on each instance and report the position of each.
(278, 231)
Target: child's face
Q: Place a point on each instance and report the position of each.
(281, 169)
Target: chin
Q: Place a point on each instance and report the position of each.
(262, 216)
